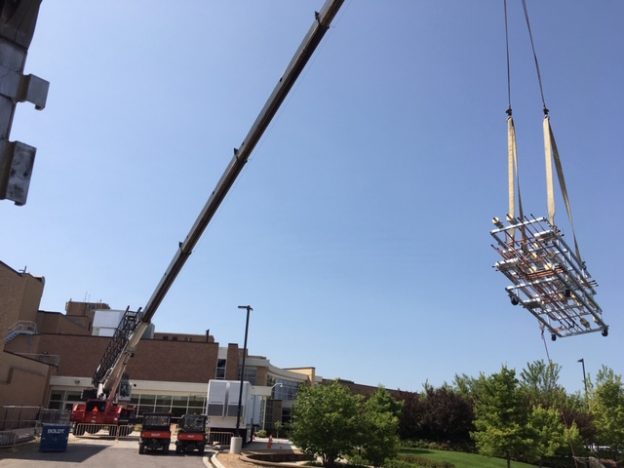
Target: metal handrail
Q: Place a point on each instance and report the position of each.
(21, 327)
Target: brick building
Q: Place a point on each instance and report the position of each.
(50, 357)
(23, 377)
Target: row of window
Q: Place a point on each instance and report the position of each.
(176, 405)
(147, 403)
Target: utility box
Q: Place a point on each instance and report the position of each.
(54, 438)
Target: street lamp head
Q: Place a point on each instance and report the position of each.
(248, 307)
(581, 360)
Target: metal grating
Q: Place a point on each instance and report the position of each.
(547, 278)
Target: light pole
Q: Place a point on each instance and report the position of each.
(242, 374)
(582, 361)
(265, 404)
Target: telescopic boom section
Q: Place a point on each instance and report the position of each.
(321, 24)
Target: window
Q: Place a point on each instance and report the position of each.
(196, 404)
(163, 400)
(73, 397)
(63, 399)
(249, 375)
(163, 404)
(220, 373)
(179, 401)
(146, 404)
(286, 391)
(148, 400)
(56, 400)
(179, 405)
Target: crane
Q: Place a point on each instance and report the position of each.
(103, 407)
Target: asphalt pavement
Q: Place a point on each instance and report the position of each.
(97, 453)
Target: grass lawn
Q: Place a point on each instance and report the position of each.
(461, 459)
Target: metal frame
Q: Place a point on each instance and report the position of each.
(548, 279)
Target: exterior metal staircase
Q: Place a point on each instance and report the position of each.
(21, 327)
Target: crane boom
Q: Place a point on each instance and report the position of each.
(112, 377)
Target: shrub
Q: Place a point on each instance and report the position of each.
(408, 461)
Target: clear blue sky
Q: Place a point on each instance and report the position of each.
(359, 230)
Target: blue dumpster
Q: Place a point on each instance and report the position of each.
(54, 438)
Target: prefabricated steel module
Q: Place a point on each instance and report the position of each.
(548, 278)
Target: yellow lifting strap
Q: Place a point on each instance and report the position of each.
(512, 174)
(552, 154)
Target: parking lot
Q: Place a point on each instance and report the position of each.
(95, 452)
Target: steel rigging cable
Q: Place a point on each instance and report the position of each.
(550, 146)
(537, 67)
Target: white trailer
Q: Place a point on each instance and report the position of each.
(222, 406)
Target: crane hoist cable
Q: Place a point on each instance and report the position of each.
(537, 67)
(515, 195)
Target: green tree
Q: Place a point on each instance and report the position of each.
(573, 439)
(607, 407)
(574, 411)
(380, 438)
(540, 383)
(410, 415)
(326, 421)
(277, 427)
(546, 432)
(447, 415)
(500, 417)
(469, 387)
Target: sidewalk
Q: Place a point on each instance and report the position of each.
(229, 460)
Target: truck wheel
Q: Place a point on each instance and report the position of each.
(179, 449)
(201, 450)
(166, 447)
(141, 449)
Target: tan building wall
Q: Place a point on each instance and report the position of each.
(20, 296)
(23, 381)
(23, 344)
(174, 361)
(261, 375)
(309, 372)
(55, 322)
(231, 364)
(84, 308)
